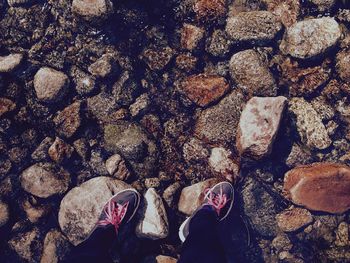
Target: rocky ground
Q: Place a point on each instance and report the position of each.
(169, 97)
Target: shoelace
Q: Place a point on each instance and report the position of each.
(218, 201)
(114, 214)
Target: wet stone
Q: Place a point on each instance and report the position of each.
(186, 62)
(10, 62)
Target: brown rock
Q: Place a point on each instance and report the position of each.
(60, 150)
(210, 10)
(286, 10)
(293, 219)
(320, 187)
(68, 121)
(34, 213)
(258, 126)
(116, 167)
(157, 59)
(6, 105)
(204, 89)
(191, 36)
(56, 247)
(186, 62)
(165, 259)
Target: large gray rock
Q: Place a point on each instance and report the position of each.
(218, 124)
(309, 124)
(259, 124)
(44, 180)
(310, 38)
(82, 206)
(10, 62)
(132, 142)
(56, 247)
(256, 27)
(154, 221)
(251, 74)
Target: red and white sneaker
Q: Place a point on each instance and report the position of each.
(220, 197)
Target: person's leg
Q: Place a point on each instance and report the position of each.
(203, 243)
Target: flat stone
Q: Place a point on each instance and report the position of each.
(10, 62)
(310, 38)
(192, 196)
(117, 168)
(222, 162)
(68, 121)
(92, 10)
(293, 219)
(82, 206)
(56, 247)
(60, 150)
(154, 221)
(4, 213)
(218, 124)
(27, 245)
(258, 126)
(309, 124)
(191, 36)
(255, 27)
(44, 180)
(6, 105)
(50, 85)
(204, 89)
(320, 187)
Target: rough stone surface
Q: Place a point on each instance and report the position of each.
(85, 84)
(6, 105)
(157, 59)
(286, 10)
(204, 89)
(50, 85)
(293, 219)
(298, 156)
(256, 27)
(60, 150)
(26, 245)
(320, 187)
(35, 213)
(310, 38)
(140, 106)
(170, 193)
(92, 10)
(68, 121)
(309, 124)
(258, 126)
(81, 206)
(194, 151)
(56, 246)
(41, 152)
(4, 213)
(223, 163)
(218, 124)
(192, 196)
(44, 180)
(117, 168)
(10, 62)
(220, 44)
(103, 67)
(210, 10)
(191, 36)
(154, 220)
(250, 73)
(343, 60)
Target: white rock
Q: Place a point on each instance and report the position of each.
(221, 162)
(10, 62)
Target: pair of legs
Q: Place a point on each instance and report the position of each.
(199, 232)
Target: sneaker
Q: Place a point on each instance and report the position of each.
(119, 209)
(219, 198)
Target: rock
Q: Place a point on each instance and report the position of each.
(165, 259)
(170, 193)
(194, 151)
(4, 213)
(10, 62)
(97, 162)
(219, 44)
(323, 108)
(102, 106)
(343, 60)
(56, 247)
(125, 89)
(323, 5)
(192, 196)
(154, 221)
(104, 66)
(117, 168)
(157, 59)
(210, 11)
(293, 219)
(153, 182)
(221, 162)
(186, 62)
(342, 235)
(27, 245)
(298, 156)
(86, 202)
(85, 84)
(309, 124)
(260, 207)
(258, 126)
(50, 85)
(35, 213)
(16, 3)
(320, 187)
(191, 37)
(287, 11)
(311, 38)
(204, 89)
(93, 10)
(68, 121)
(44, 180)
(255, 27)
(282, 243)
(6, 105)
(250, 74)
(82, 148)
(140, 106)
(60, 150)
(218, 124)
(133, 144)
(41, 152)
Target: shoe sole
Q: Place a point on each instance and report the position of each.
(187, 221)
